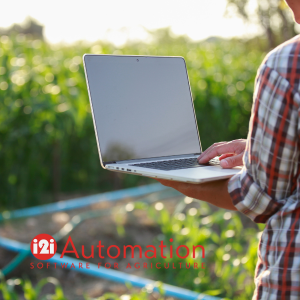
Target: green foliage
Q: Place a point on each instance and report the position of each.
(29, 292)
(47, 140)
(145, 293)
(8, 289)
(230, 251)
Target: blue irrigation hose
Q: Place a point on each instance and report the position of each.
(117, 276)
(75, 221)
(82, 202)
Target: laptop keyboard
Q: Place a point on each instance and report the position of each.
(176, 164)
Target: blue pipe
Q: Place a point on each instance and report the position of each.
(83, 201)
(113, 275)
(79, 218)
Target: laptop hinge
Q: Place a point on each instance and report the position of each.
(154, 158)
(109, 162)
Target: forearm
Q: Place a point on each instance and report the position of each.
(214, 192)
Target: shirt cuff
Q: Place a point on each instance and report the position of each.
(250, 199)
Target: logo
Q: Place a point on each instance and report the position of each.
(43, 246)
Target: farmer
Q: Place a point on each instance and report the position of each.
(267, 189)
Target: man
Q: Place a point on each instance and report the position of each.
(267, 189)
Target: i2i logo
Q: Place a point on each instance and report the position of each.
(43, 246)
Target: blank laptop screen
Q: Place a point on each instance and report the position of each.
(142, 106)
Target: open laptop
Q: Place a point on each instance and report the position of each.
(144, 118)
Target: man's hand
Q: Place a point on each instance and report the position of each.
(231, 153)
(214, 192)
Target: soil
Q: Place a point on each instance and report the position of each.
(139, 230)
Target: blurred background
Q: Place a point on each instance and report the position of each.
(48, 148)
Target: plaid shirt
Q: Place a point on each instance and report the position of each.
(267, 189)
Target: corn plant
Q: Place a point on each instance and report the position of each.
(230, 249)
(47, 140)
(29, 292)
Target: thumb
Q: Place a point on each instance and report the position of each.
(232, 161)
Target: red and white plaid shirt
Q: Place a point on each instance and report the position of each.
(267, 189)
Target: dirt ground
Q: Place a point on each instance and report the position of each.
(139, 229)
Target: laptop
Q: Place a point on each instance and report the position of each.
(144, 118)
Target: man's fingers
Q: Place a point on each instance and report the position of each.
(205, 153)
(225, 155)
(165, 182)
(177, 185)
(233, 147)
(211, 147)
(215, 151)
(232, 161)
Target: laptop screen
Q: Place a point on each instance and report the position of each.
(142, 106)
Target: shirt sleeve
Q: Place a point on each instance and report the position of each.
(270, 169)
